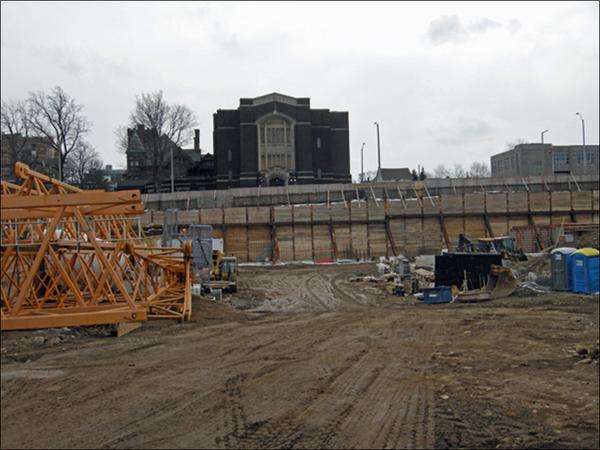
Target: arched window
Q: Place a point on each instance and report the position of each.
(276, 144)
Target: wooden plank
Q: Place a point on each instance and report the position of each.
(377, 239)
(474, 203)
(561, 201)
(282, 214)
(518, 202)
(235, 215)
(211, 216)
(358, 234)
(285, 241)
(539, 201)
(342, 240)
(259, 241)
(322, 242)
(303, 242)
(236, 242)
(432, 235)
(452, 204)
(259, 215)
(496, 202)
(582, 201)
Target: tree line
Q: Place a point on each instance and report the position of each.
(57, 119)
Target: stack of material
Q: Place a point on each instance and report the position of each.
(71, 257)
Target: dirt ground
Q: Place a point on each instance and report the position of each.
(301, 357)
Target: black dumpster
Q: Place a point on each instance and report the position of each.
(450, 268)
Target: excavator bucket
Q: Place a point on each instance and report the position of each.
(501, 282)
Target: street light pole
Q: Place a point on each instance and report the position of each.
(362, 164)
(378, 149)
(583, 137)
(545, 131)
(172, 172)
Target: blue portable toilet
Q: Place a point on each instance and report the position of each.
(560, 265)
(585, 267)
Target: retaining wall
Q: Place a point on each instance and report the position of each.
(376, 227)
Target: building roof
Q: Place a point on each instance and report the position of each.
(194, 155)
(393, 174)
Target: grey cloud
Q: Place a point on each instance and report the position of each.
(513, 25)
(463, 130)
(446, 29)
(482, 25)
(470, 127)
(450, 29)
(68, 64)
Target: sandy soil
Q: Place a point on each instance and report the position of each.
(300, 357)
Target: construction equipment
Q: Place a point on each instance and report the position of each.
(224, 272)
(501, 282)
(504, 245)
(71, 257)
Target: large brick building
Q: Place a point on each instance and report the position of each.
(37, 152)
(276, 140)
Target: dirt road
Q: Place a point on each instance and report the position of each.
(314, 361)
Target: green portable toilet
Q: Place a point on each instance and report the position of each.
(560, 266)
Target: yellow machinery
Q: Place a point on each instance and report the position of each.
(223, 273)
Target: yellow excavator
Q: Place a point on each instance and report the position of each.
(223, 272)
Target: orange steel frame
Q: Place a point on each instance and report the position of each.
(72, 257)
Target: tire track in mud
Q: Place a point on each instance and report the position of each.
(290, 430)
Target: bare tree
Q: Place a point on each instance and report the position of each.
(169, 125)
(15, 132)
(57, 117)
(441, 171)
(82, 160)
(479, 170)
(121, 139)
(458, 171)
(513, 144)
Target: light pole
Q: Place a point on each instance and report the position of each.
(362, 164)
(545, 131)
(172, 172)
(583, 137)
(378, 149)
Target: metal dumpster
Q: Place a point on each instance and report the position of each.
(585, 269)
(560, 264)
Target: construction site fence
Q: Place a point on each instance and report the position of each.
(375, 227)
(326, 193)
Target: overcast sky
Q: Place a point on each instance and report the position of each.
(447, 82)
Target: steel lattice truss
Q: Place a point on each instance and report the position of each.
(72, 257)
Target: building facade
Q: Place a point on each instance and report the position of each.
(275, 140)
(37, 152)
(546, 159)
(149, 163)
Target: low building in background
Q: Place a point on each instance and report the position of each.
(400, 174)
(37, 152)
(546, 159)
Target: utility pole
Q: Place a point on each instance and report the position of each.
(545, 131)
(583, 137)
(378, 150)
(362, 164)
(172, 172)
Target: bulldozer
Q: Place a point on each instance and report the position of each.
(505, 245)
(501, 283)
(223, 272)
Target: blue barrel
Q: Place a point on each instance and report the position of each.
(585, 270)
